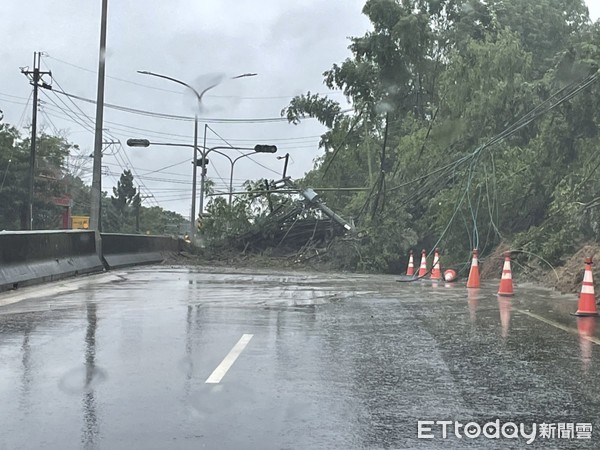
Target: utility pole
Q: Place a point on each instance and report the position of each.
(138, 206)
(96, 192)
(203, 173)
(142, 198)
(195, 163)
(35, 77)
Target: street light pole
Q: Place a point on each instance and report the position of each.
(199, 98)
(231, 175)
(204, 152)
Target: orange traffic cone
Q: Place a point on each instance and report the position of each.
(423, 268)
(450, 275)
(473, 281)
(436, 272)
(411, 265)
(587, 298)
(506, 284)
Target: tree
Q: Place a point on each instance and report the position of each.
(13, 189)
(51, 179)
(124, 201)
(435, 88)
(156, 220)
(545, 27)
(124, 192)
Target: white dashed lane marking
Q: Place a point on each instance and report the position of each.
(226, 364)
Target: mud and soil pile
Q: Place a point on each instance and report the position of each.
(570, 275)
(526, 267)
(565, 278)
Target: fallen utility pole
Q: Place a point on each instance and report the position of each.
(288, 191)
(313, 198)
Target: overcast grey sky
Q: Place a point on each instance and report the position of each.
(289, 44)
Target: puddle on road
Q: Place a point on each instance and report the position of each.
(82, 379)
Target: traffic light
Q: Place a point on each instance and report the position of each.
(199, 162)
(265, 148)
(138, 142)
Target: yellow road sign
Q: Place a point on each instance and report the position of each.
(80, 222)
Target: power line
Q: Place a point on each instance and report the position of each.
(299, 139)
(13, 102)
(448, 171)
(20, 123)
(148, 192)
(49, 120)
(175, 116)
(71, 114)
(14, 96)
(239, 151)
(116, 131)
(277, 97)
(287, 143)
(90, 128)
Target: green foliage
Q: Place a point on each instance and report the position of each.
(325, 110)
(451, 77)
(545, 27)
(223, 220)
(123, 212)
(156, 220)
(382, 240)
(51, 180)
(120, 213)
(124, 192)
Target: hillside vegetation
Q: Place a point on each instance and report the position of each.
(473, 124)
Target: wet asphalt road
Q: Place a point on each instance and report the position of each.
(121, 360)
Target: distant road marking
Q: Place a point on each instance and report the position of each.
(558, 325)
(226, 364)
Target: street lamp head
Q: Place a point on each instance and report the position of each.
(138, 142)
(244, 75)
(265, 148)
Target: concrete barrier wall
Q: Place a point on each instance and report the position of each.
(28, 257)
(120, 250)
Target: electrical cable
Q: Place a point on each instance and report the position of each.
(148, 192)
(22, 118)
(239, 151)
(552, 102)
(179, 92)
(175, 116)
